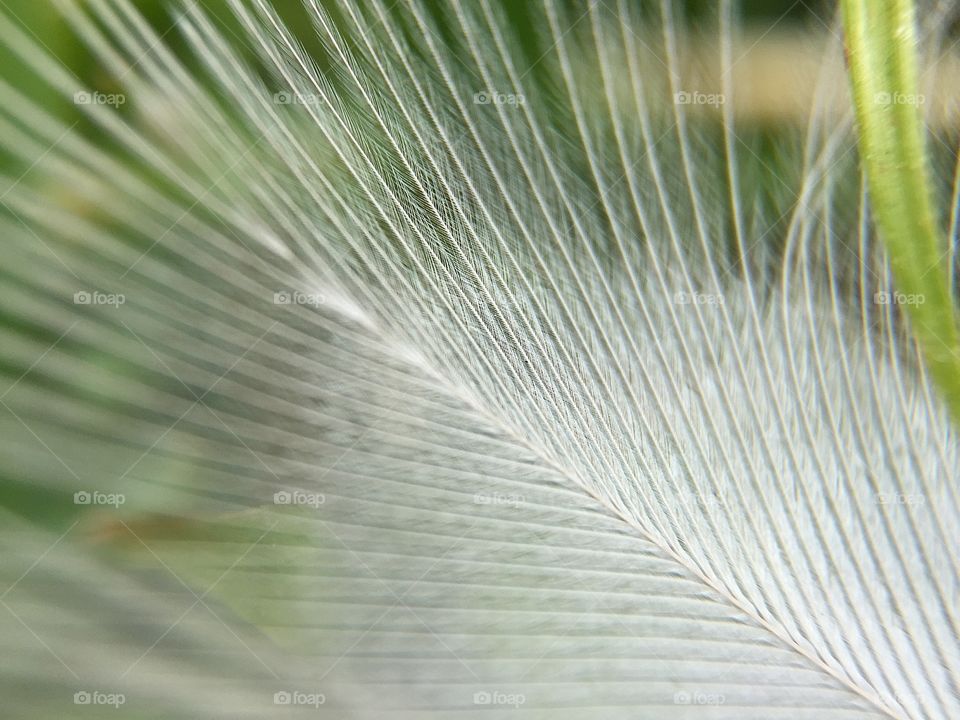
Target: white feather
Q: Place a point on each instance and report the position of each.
(530, 473)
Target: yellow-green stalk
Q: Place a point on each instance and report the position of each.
(881, 44)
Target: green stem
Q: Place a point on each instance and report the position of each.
(881, 48)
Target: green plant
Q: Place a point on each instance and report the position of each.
(881, 45)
